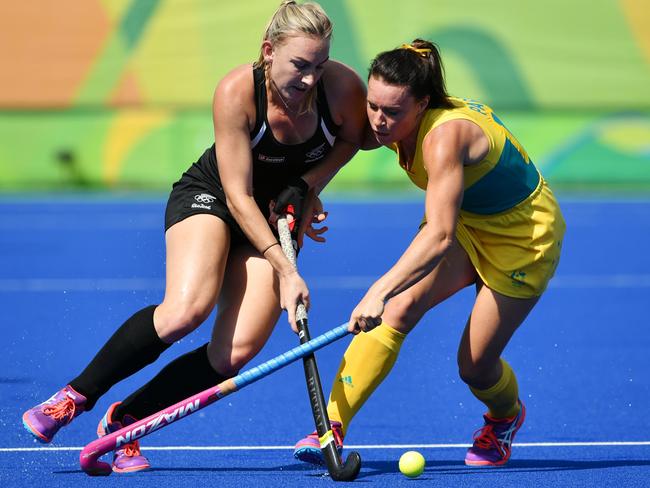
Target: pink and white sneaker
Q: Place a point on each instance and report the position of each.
(308, 449)
(126, 458)
(493, 442)
(45, 419)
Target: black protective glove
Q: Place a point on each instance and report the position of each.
(294, 194)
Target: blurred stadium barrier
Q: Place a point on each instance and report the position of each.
(117, 94)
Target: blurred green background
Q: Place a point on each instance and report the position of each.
(117, 93)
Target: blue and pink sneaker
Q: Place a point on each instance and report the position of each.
(126, 458)
(45, 419)
(493, 442)
(308, 449)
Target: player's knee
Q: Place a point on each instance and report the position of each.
(469, 375)
(231, 363)
(175, 321)
(402, 310)
(476, 373)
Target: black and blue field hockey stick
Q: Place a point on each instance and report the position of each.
(338, 470)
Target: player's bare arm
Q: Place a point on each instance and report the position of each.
(346, 95)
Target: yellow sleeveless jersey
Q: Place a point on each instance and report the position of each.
(505, 177)
(510, 224)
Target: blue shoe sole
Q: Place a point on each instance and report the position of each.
(36, 436)
(309, 455)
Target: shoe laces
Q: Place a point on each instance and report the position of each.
(132, 449)
(61, 410)
(338, 436)
(485, 438)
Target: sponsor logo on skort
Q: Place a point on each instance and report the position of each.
(200, 205)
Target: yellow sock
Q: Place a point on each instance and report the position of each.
(368, 359)
(501, 399)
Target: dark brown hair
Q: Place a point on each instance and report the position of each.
(417, 65)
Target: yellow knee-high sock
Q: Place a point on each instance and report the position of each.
(368, 359)
(501, 398)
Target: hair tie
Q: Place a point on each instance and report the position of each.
(424, 52)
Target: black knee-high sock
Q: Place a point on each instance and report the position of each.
(132, 347)
(180, 379)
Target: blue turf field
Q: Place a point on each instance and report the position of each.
(72, 269)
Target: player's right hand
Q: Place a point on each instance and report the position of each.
(293, 290)
(366, 315)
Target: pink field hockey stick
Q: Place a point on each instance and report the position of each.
(89, 457)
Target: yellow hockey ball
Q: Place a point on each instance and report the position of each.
(411, 464)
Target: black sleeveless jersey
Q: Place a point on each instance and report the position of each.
(274, 163)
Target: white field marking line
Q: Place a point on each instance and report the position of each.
(82, 284)
(347, 282)
(358, 446)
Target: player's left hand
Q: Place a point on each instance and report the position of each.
(293, 196)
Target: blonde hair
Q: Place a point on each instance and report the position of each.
(292, 18)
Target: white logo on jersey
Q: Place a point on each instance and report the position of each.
(315, 154)
(204, 198)
(271, 159)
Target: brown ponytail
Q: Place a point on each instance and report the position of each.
(417, 65)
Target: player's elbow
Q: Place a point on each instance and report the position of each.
(446, 242)
(236, 203)
(441, 238)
